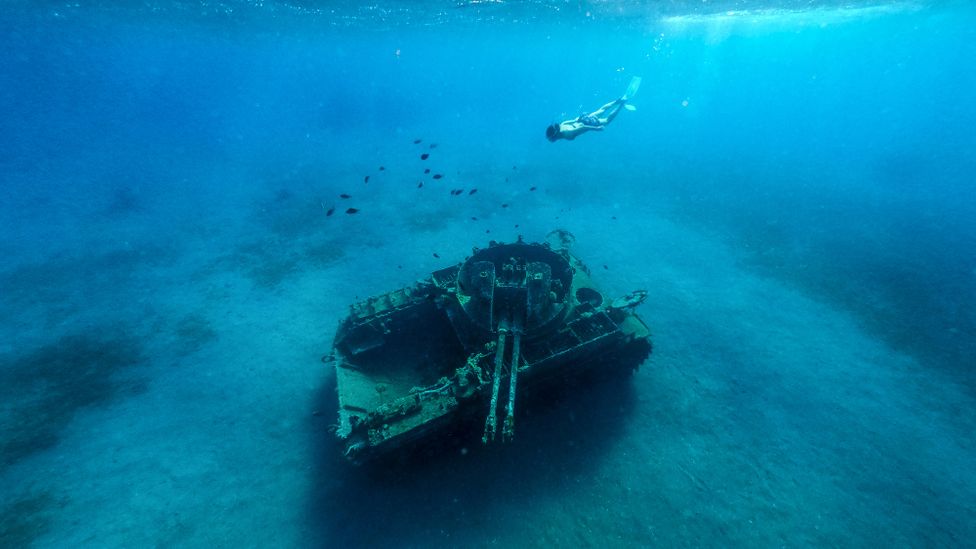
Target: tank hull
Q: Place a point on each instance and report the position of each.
(419, 365)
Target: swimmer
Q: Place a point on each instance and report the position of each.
(594, 121)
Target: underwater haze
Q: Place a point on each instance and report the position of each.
(795, 190)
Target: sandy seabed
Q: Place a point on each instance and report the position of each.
(163, 385)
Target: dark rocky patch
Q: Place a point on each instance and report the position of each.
(24, 520)
(300, 236)
(294, 219)
(124, 200)
(270, 275)
(195, 332)
(429, 221)
(884, 260)
(271, 261)
(283, 195)
(64, 284)
(321, 254)
(43, 388)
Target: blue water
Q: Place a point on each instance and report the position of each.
(795, 192)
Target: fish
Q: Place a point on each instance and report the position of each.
(531, 189)
(474, 219)
(366, 179)
(516, 225)
(424, 156)
(427, 170)
(472, 191)
(344, 195)
(504, 205)
(433, 145)
(382, 168)
(613, 217)
(438, 176)
(330, 211)
(352, 211)
(437, 256)
(417, 141)
(420, 184)
(456, 192)
(607, 268)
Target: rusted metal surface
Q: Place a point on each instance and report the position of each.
(419, 363)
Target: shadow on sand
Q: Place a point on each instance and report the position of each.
(463, 492)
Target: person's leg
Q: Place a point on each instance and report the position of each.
(614, 109)
(602, 110)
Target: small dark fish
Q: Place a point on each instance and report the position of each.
(504, 205)
(474, 219)
(531, 189)
(382, 168)
(366, 179)
(433, 145)
(506, 180)
(438, 176)
(607, 268)
(352, 211)
(417, 141)
(344, 195)
(399, 266)
(472, 191)
(330, 211)
(424, 156)
(427, 170)
(613, 217)
(516, 225)
(420, 184)
(514, 167)
(487, 231)
(437, 256)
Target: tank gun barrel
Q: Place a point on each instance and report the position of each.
(491, 424)
(508, 431)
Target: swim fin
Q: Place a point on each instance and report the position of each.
(630, 107)
(632, 88)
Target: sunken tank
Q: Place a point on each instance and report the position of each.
(456, 350)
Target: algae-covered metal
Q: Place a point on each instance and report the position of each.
(420, 362)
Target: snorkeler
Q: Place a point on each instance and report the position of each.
(596, 120)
